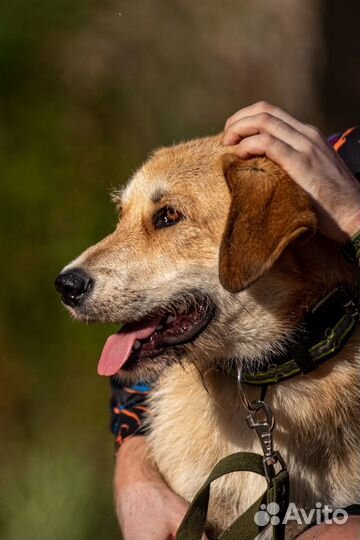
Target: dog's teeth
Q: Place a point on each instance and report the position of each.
(170, 319)
(160, 327)
(136, 345)
(182, 310)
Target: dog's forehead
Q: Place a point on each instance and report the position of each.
(146, 187)
(181, 169)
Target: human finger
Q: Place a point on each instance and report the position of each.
(265, 123)
(270, 146)
(264, 107)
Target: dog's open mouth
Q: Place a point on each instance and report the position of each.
(150, 337)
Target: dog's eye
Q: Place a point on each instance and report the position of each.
(167, 216)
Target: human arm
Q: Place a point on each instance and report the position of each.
(147, 509)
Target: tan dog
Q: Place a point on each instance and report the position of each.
(217, 260)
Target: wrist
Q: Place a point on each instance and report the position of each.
(352, 225)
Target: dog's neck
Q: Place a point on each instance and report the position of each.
(319, 409)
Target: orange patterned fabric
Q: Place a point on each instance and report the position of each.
(128, 410)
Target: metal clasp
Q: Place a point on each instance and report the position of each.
(263, 427)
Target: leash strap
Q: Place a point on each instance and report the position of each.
(244, 527)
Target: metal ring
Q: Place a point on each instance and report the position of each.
(242, 394)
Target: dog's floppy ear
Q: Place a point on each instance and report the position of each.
(267, 212)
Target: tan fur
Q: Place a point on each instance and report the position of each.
(197, 417)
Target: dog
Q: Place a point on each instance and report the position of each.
(215, 262)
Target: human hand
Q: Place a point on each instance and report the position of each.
(346, 531)
(303, 152)
(146, 507)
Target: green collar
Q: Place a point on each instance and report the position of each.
(323, 333)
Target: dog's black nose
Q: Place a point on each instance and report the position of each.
(73, 285)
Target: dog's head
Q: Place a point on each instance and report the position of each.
(213, 258)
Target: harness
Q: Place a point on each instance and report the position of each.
(323, 333)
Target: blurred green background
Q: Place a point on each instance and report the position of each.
(87, 89)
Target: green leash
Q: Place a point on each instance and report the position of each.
(244, 527)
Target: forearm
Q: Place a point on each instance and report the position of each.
(134, 472)
(351, 224)
(146, 507)
(134, 464)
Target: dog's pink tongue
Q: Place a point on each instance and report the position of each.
(117, 348)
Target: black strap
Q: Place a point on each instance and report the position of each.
(302, 357)
(353, 509)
